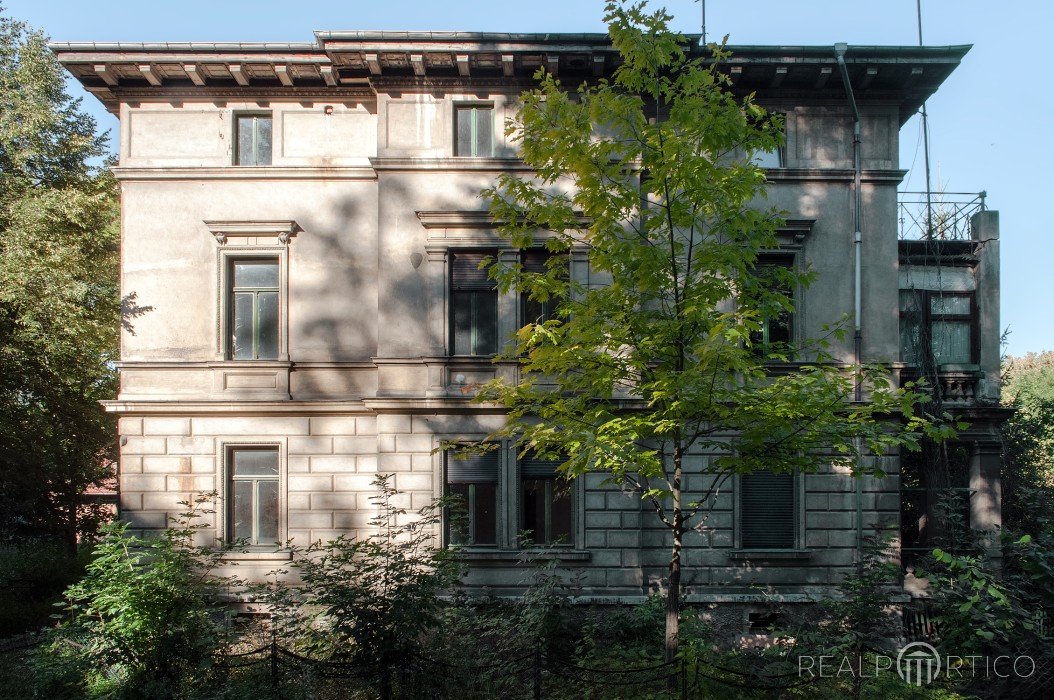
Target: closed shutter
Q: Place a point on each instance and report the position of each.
(462, 469)
(467, 275)
(767, 519)
(531, 468)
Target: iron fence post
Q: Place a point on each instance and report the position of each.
(684, 679)
(537, 674)
(274, 664)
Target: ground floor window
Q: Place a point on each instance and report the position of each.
(252, 506)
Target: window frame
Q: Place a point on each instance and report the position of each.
(452, 315)
(509, 498)
(551, 483)
(237, 156)
(547, 307)
(797, 508)
(236, 250)
(226, 477)
(787, 259)
(233, 291)
(926, 319)
(499, 501)
(476, 108)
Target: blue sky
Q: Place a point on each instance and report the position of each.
(985, 122)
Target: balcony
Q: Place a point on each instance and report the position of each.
(937, 216)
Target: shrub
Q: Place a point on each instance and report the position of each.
(144, 621)
(376, 597)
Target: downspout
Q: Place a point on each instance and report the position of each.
(839, 54)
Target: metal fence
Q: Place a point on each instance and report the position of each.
(943, 216)
(533, 675)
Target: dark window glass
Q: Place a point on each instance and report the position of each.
(473, 306)
(253, 510)
(254, 310)
(937, 327)
(545, 503)
(777, 329)
(767, 510)
(475, 131)
(474, 479)
(253, 140)
(535, 310)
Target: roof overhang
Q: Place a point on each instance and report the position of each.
(355, 63)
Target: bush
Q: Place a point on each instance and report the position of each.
(377, 597)
(145, 620)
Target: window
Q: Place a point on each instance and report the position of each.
(475, 127)
(474, 478)
(534, 310)
(254, 309)
(773, 158)
(252, 506)
(473, 305)
(545, 503)
(768, 517)
(769, 159)
(777, 325)
(937, 326)
(252, 139)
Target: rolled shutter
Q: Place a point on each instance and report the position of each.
(767, 520)
(531, 468)
(467, 275)
(471, 468)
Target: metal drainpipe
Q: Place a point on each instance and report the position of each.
(839, 53)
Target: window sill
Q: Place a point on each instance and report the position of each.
(257, 555)
(472, 554)
(770, 555)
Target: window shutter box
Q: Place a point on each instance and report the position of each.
(767, 503)
(471, 468)
(538, 468)
(467, 275)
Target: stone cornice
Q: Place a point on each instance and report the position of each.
(240, 407)
(283, 230)
(452, 164)
(470, 219)
(140, 173)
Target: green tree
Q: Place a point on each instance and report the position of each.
(1028, 442)
(59, 294)
(664, 360)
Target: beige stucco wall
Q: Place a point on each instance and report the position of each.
(363, 384)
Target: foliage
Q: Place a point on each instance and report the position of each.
(377, 596)
(1028, 441)
(59, 295)
(33, 574)
(145, 620)
(863, 617)
(634, 375)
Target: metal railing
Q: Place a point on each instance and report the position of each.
(941, 216)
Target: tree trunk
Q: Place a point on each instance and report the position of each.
(70, 527)
(673, 601)
(673, 595)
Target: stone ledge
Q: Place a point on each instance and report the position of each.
(515, 555)
(252, 555)
(770, 555)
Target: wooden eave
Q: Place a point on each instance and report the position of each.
(364, 63)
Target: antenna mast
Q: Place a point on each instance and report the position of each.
(925, 140)
(702, 38)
